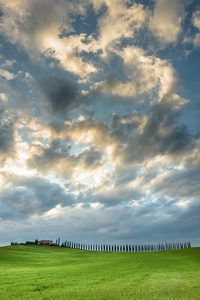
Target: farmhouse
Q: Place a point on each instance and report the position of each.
(45, 242)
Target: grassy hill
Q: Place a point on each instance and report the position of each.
(38, 272)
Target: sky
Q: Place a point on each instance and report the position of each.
(99, 121)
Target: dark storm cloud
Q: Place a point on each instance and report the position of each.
(46, 157)
(118, 195)
(29, 196)
(91, 157)
(7, 142)
(62, 96)
(6, 137)
(160, 134)
(57, 157)
(127, 125)
(179, 183)
(146, 223)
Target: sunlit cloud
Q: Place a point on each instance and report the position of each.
(196, 23)
(99, 124)
(166, 20)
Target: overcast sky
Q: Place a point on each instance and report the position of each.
(99, 121)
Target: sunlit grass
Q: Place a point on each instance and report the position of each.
(37, 272)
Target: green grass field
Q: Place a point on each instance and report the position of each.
(38, 272)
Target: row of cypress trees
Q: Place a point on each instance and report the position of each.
(126, 248)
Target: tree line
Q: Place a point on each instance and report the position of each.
(127, 247)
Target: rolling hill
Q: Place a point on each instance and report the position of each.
(39, 272)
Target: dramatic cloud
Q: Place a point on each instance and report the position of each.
(99, 130)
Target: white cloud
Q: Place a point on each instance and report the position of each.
(196, 19)
(196, 23)
(146, 74)
(3, 97)
(37, 27)
(7, 75)
(119, 22)
(166, 20)
(65, 49)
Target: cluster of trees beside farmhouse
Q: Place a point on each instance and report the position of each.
(106, 247)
